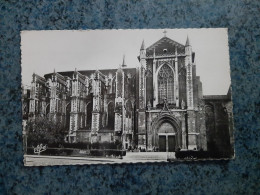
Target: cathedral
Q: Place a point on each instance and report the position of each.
(157, 106)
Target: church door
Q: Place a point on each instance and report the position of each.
(162, 143)
(171, 143)
(167, 137)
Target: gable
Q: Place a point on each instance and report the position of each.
(165, 46)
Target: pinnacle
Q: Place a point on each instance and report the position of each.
(187, 41)
(142, 46)
(123, 64)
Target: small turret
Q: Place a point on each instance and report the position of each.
(142, 46)
(75, 74)
(188, 49)
(187, 41)
(142, 51)
(123, 64)
(54, 78)
(189, 69)
(33, 77)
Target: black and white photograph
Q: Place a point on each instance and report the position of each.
(126, 96)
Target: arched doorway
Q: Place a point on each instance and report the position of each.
(167, 134)
(167, 137)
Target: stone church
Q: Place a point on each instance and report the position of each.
(158, 105)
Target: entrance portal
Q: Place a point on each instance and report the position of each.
(166, 133)
(167, 138)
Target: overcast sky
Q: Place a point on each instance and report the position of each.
(44, 51)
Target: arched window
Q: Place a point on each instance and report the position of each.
(111, 116)
(68, 110)
(89, 114)
(165, 85)
(114, 85)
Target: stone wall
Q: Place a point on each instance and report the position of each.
(217, 126)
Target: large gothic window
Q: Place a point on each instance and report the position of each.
(114, 85)
(165, 85)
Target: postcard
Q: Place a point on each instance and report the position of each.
(126, 96)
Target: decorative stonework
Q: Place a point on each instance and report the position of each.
(95, 123)
(142, 88)
(189, 87)
(118, 122)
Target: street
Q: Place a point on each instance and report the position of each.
(131, 157)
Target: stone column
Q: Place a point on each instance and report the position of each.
(149, 133)
(183, 129)
(192, 134)
(64, 103)
(176, 79)
(95, 125)
(189, 82)
(74, 114)
(119, 101)
(155, 87)
(142, 130)
(32, 97)
(53, 98)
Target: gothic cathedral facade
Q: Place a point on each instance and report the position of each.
(158, 105)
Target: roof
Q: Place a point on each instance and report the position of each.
(89, 72)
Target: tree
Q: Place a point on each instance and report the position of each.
(43, 131)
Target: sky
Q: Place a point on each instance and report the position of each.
(44, 51)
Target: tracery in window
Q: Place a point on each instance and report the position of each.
(165, 85)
